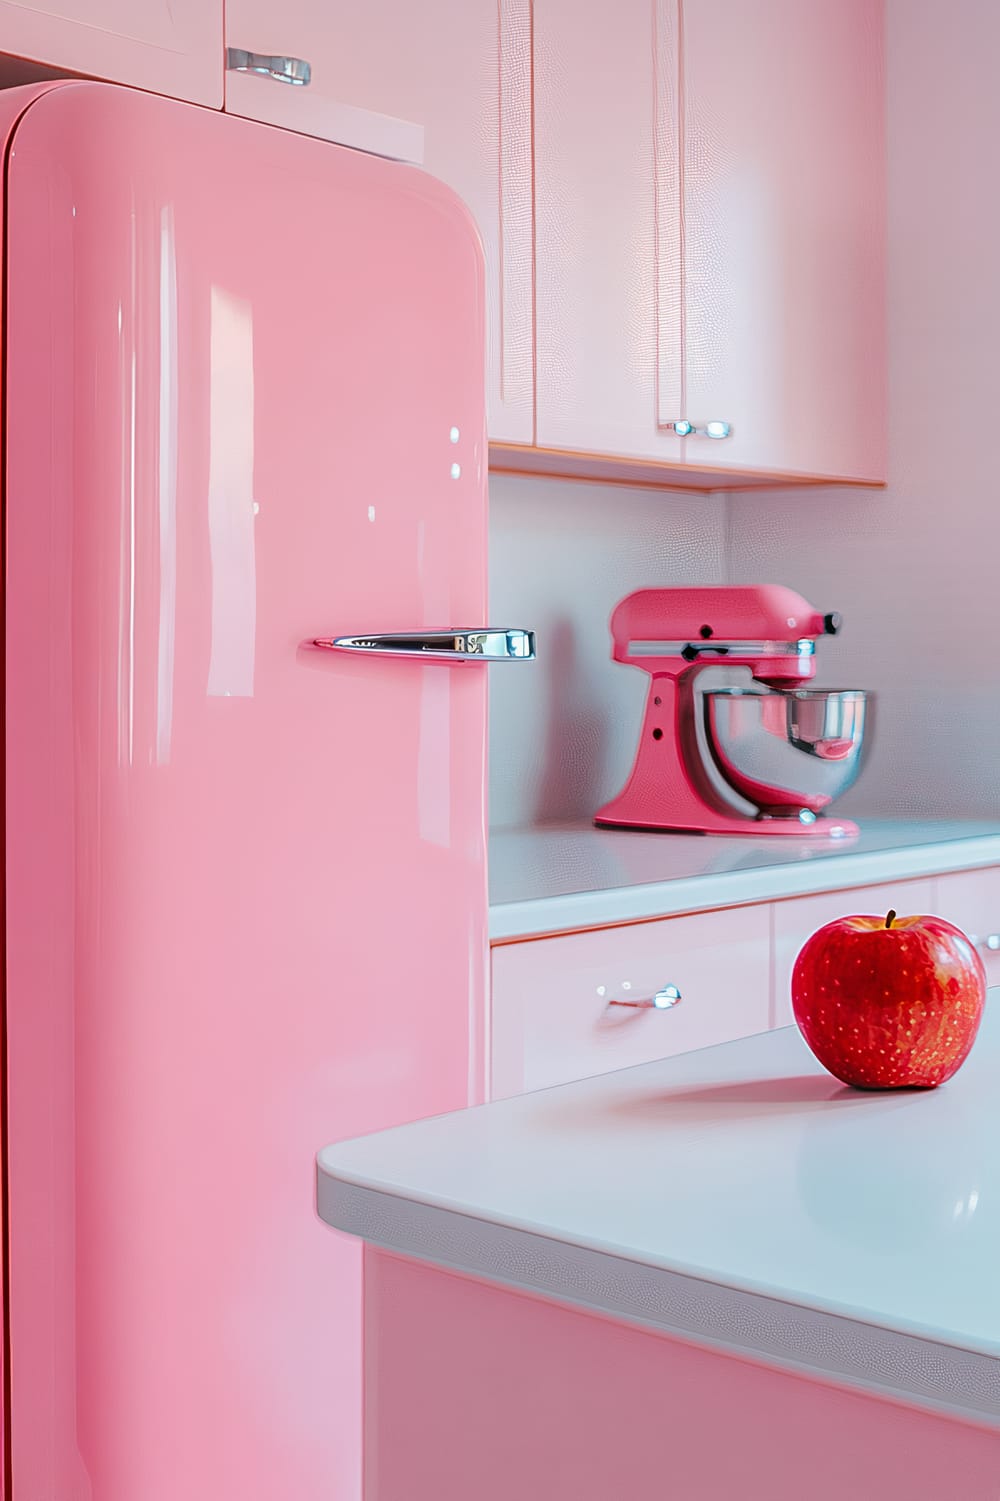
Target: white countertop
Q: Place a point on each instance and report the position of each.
(739, 1196)
(566, 876)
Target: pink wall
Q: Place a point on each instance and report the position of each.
(912, 568)
(563, 734)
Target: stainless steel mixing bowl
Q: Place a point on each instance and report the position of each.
(789, 753)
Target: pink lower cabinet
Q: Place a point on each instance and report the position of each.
(478, 1391)
(584, 1003)
(164, 46)
(971, 900)
(797, 920)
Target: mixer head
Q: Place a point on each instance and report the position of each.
(766, 627)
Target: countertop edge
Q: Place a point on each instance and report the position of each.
(541, 917)
(910, 1368)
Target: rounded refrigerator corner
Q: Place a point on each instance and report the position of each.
(15, 104)
(439, 195)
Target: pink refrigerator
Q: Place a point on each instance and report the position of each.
(245, 872)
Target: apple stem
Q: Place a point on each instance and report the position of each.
(890, 918)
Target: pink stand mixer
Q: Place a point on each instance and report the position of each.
(764, 758)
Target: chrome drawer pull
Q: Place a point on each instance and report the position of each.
(663, 1000)
(294, 70)
(991, 942)
(714, 429)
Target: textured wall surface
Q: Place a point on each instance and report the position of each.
(563, 729)
(914, 568)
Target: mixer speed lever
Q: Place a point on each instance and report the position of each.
(691, 653)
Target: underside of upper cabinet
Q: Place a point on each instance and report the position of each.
(707, 242)
(651, 474)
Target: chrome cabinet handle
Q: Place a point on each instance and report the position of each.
(440, 646)
(685, 429)
(991, 941)
(294, 70)
(662, 1000)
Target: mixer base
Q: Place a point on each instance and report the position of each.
(823, 828)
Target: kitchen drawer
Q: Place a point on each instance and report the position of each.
(797, 920)
(552, 1020)
(971, 900)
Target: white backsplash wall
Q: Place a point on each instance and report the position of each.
(563, 729)
(915, 569)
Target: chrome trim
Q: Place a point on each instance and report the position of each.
(663, 1000)
(719, 647)
(488, 645)
(715, 429)
(293, 70)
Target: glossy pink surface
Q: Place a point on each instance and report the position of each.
(13, 102)
(167, 46)
(246, 897)
(478, 1391)
(462, 68)
(459, 69)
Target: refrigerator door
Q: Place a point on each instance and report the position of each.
(246, 905)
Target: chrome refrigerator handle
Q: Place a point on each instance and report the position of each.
(490, 645)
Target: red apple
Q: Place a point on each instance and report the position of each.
(888, 1002)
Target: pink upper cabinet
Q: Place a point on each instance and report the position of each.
(284, 66)
(709, 201)
(445, 82)
(783, 241)
(607, 219)
(166, 46)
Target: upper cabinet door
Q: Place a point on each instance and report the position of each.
(443, 82)
(607, 224)
(166, 46)
(289, 65)
(710, 190)
(781, 123)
